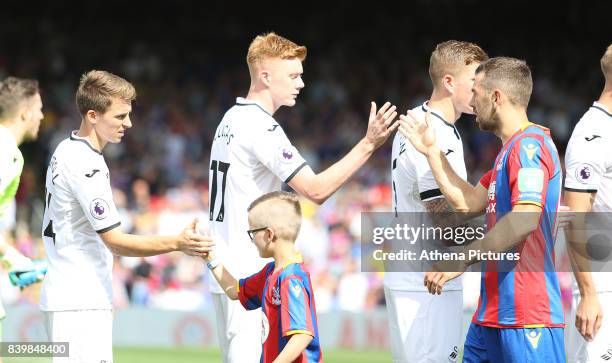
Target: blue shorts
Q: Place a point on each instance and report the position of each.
(504, 345)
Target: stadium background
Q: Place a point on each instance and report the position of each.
(187, 61)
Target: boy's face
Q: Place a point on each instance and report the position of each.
(261, 238)
(112, 124)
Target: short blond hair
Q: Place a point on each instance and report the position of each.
(98, 88)
(283, 211)
(512, 76)
(606, 63)
(271, 45)
(450, 55)
(13, 91)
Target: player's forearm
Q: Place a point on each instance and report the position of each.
(576, 243)
(455, 189)
(296, 345)
(325, 183)
(508, 232)
(580, 203)
(139, 246)
(228, 283)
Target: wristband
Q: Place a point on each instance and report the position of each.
(212, 264)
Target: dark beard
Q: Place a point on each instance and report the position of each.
(491, 123)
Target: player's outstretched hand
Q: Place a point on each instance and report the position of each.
(440, 275)
(193, 243)
(381, 124)
(589, 317)
(418, 131)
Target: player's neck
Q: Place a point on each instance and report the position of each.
(511, 121)
(263, 98)
(17, 132)
(86, 131)
(606, 96)
(444, 105)
(284, 254)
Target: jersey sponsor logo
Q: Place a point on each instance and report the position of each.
(491, 192)
(93, 172)
(584, 173)
(534, 338)
(273, 127)
(531, 150)
(592, 138)
(449, 151)
(530, 180)
(99, 208)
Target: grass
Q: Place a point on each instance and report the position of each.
(206, 355)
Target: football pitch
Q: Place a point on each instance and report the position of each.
(210, 355)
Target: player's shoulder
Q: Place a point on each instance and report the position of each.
(77, 152)
(596, 123)
(250, 115)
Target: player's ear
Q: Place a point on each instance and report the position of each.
(91, 116)
(449, 83)
(265, 77)
(496, 97)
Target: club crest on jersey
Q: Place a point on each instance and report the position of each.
(98, 208)
(276, 300)
(454, 354)
(531, 150)
(584, 173)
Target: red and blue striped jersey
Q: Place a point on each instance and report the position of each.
(523, 293)
(287, 301)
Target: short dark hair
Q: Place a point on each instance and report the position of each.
(13, 90)
(510, 75)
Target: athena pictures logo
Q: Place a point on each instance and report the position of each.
(98, 208)
(584, 173)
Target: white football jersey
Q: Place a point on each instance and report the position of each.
(250, 156)
(413, 184)
(588, 168)
(11, 165)
(78, 206)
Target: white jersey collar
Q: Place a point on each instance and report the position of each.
(601, 108)
(75, 137)
(241, 101)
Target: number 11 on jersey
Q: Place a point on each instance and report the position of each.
(221, 167)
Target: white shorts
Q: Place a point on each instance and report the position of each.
(239, 330)
(600, 349)
(424, 327)
(88, 332)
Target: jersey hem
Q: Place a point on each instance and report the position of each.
(580, 190)
(518, 326)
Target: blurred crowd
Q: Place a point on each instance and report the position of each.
(188, 76)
